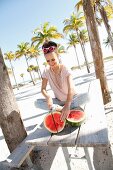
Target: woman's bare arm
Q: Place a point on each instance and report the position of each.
(71, 92)
(43, 88)
(45, 94)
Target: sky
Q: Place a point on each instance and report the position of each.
(18, 19)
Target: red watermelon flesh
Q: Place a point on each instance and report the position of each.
(76, 117)
(56, 125)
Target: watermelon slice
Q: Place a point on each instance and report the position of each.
(53, 123)
(76, 117)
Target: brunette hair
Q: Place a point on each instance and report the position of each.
(49, 44)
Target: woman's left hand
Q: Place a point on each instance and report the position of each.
(65, 112)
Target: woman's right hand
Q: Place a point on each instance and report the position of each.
(49, 102)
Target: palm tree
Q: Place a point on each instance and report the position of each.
(109, 10)
(60, 50)
(73, 41)
(10, 56)
(98, 5)
(36, 69)
(9, 70)
(23, 51)
(45, 33)
(83, 34)
(110, 4)
(74, 23)
(22, 75)
(34, 52)
(45, 64)
(106, 41)
(103, 14)
(10, 118)
(31, 69)
(96, 49)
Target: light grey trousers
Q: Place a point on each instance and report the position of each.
(79, 100)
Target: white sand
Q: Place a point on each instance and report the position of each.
(32, 108)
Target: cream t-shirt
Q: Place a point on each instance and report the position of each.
(58, 83)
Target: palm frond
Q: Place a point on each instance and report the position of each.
(79, 5)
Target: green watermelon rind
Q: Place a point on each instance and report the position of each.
(49, 128)
(76, 123)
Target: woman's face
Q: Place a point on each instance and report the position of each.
(52, 59)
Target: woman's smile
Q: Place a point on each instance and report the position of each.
(52, 59)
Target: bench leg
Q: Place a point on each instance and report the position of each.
(89, 161)
(66, 155)
(29, 162)
(102, 158)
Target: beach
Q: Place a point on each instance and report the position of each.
(33, 111)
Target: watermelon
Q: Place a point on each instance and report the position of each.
(76, 117)
(53, 123)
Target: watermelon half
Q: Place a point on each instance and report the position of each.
(53, 123)
(76, 117)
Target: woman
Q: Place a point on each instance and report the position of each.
(59, 78)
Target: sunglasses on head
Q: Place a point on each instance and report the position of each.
(49, 49)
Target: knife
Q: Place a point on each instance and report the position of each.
(50, 111)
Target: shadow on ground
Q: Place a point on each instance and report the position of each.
(41, 103)
(32, 117)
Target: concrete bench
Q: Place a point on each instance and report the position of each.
(20, 154)
(92, 133)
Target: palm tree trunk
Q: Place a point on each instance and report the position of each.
(29, 71)
(84, 52)
(96, 49)
(106, 23)
(85, 56)
(38, 73)
(77, 57)
(23, 80)
(39, 68)
(33, 75)
(14, 75)
(10, 119)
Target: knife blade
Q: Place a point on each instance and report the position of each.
(52, 110)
